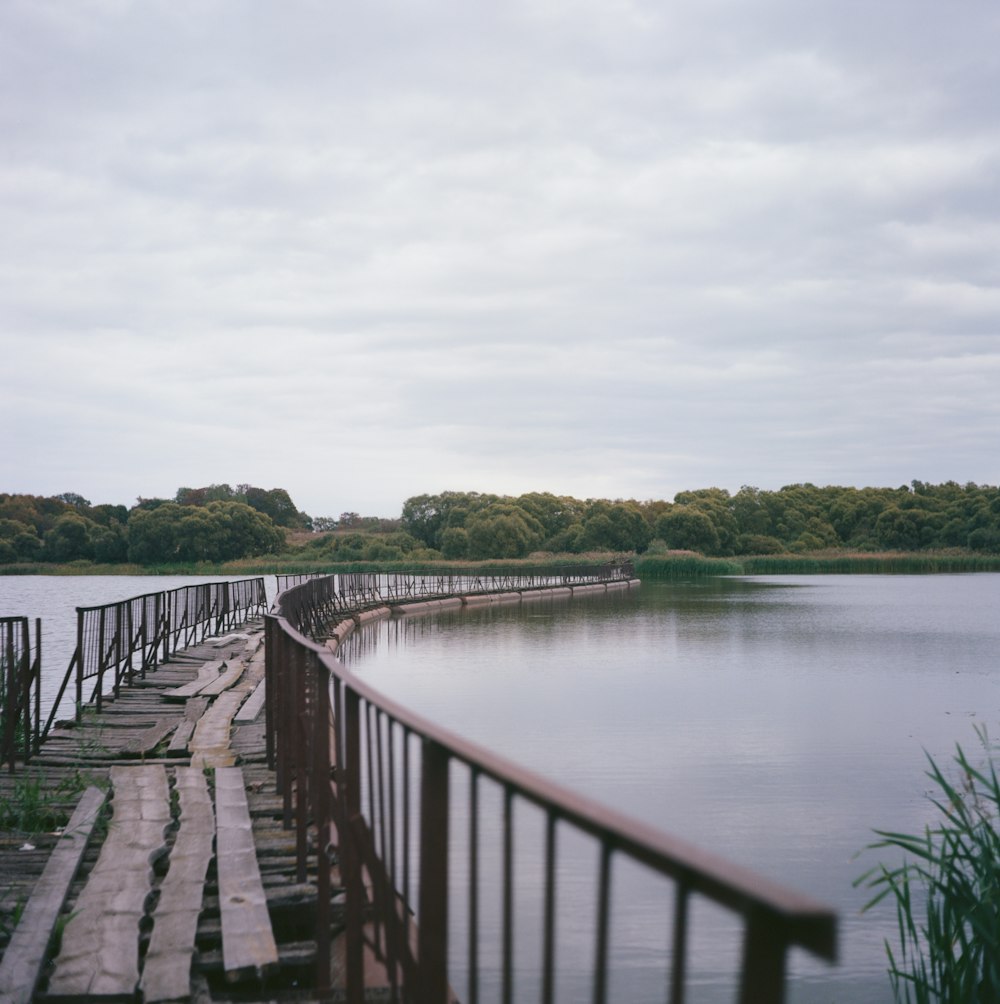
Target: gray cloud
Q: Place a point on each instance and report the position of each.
(607, 248)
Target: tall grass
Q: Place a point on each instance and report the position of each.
(947, 892)
(880, 563)
(684, 564)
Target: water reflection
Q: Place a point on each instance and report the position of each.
(775, 721)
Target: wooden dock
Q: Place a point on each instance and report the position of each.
(174, 879)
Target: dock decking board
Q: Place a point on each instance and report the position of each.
(207, 674)
(25, 954)
(100, 945)
(248, 944)
(167, 970)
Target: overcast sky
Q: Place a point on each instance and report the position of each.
(362, 251)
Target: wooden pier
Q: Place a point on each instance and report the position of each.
(175, 878)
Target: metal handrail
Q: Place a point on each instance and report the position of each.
(20, 675)
(117, 642)
(350, 764)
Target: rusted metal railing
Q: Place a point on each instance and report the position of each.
(20, 673)
(399, 805)
(117, 642)
(342, 593)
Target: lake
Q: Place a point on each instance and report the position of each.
(774, 720)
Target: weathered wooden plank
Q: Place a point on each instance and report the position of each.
(206, 675)
(209, 745)
(100, 945)
(252, 708)
(182, 735)
(147, 741)
(229, 639)
(25, 953)
(195, 707)
(248, 944)
(224, 681)
(166, 974)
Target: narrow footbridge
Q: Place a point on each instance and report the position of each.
(250, 821)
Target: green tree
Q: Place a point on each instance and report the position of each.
(455, 543)
(277, 504)
(716, 504)
(69, 539)
(615, 526)
(688, 528)
(109, 544)
(502, 530)
(217, 531)
(153, 532)
(21, 542)
(426, 516)
(900, 529)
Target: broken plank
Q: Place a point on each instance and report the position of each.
(25, 953)
(207, 674)
(224, 681)
(147, 741)
(248, 944)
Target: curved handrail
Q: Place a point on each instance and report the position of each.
(362, 808)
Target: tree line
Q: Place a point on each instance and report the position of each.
(219, 523)
(212, 524)
(794, 519)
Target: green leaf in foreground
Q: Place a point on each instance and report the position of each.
(947, 892)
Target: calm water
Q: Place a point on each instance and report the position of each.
(775, 720)
(55, 598)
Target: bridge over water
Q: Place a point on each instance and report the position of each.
(303, 827)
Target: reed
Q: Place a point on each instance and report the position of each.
(947, 892)
(685, 564)
(860, 563)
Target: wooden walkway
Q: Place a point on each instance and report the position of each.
(174, 879)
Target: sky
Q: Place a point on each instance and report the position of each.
(608, 248)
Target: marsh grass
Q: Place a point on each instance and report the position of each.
(32, 807)
(946, 892)
(873, 563)
(684, 564)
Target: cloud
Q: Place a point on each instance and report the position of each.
(603, 248)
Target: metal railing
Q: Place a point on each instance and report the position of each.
(117, 642)
(372, 787)
(20, 673)
(345, 593)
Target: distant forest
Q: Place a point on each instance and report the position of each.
(219, 523)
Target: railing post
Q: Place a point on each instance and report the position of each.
(36, 673)
(9, 666)
(80, 660)
(762, 980)
(349, 795)
(300, 682)
(433, 916)
(321, 818)
(270, 688)
(164, 618)
(24, 697)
